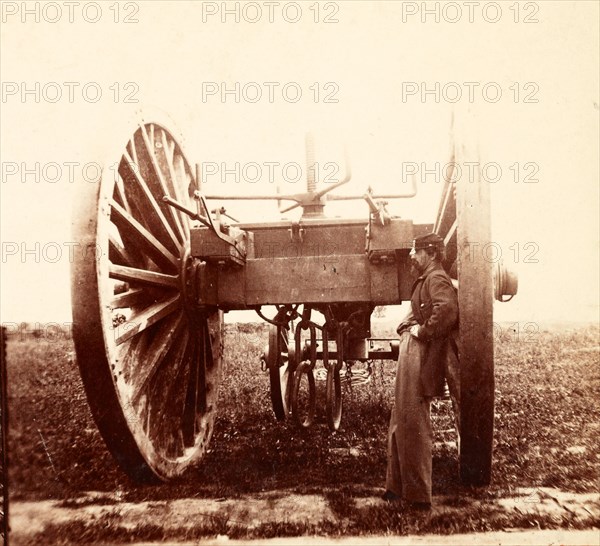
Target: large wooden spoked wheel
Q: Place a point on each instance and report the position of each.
(464, 221)
(149, 360)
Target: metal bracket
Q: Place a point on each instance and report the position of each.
(296, 233)
(378, 208)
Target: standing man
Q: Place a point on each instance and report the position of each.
(427, 341)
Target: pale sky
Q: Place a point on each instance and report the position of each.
(364, 61)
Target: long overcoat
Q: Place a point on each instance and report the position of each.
(434, 307)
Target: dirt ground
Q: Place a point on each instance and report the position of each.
(30, 519)
(521, 538)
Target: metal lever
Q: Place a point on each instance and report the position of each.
(223, 212)
(411, 193)
(208, 222)
(193, 215)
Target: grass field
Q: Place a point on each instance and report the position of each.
(547, 435)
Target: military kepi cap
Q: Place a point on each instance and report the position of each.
(431, 240)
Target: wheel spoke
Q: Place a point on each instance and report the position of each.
(135, 275)
(143, 238)
(197, 388)
(188, 414)
(185, 411)
(453, 269)
(451, 232)
(146, 318)
(180, 196)
(120, 195)
(127, 299)
(131, 353)
(117, 253)
(164, 383)
(174, 420)
(129, 171)
(150, 146)
(183, 176)
(156, 356)
(206, 363)
(170, 145)
(447, 209)
(163, 152)
(446, 223)
(133, 151)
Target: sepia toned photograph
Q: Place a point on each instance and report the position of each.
(311, 272)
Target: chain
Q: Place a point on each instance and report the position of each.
(284, 315)
(349, 364)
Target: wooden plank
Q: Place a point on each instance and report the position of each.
(312, 280)
(308, 279)
(384, 284)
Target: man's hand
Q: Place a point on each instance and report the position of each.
(406, 324)
(414, 331)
